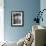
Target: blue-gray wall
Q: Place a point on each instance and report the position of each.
(30, 7)
(43, 6)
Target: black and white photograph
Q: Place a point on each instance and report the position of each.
(17, 18)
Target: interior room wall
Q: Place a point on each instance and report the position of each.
(30, 7)
(1, 20)
(43, 6)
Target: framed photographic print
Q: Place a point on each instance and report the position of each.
(17, 18)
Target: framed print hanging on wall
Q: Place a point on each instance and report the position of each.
(17, 18)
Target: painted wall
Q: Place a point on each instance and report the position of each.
(43, 6)
(30, 7)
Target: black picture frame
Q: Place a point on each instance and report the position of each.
(17, 18)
